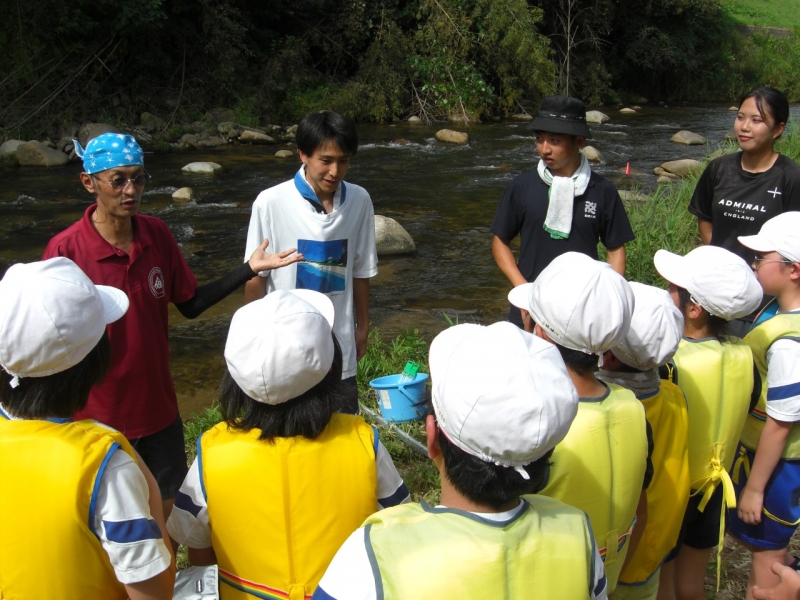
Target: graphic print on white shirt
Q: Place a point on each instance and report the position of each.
(324, 269)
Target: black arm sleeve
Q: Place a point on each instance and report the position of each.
(648, 471)
(757, 383)
(206, 296)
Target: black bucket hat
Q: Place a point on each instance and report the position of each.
(562, 114)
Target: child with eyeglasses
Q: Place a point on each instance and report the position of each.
(711, 286)
(767, 473)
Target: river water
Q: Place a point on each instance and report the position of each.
(445, 196)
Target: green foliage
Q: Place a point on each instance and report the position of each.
(765, 60)
(192, 428)
(247, 110)
(774, 13)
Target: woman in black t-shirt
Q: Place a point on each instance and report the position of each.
(738, 192)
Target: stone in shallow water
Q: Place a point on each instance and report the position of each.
(391, 237)
(452, 137)
(689, 138)
(185, 194)
(208, 168)
(37, 154)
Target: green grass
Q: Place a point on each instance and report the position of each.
(765, 13)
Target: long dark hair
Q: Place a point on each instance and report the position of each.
(61, 394)
(306, 415)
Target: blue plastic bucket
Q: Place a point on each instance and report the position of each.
(396, 400)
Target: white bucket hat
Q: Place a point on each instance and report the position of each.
(581, 303)
(499, 393)
(655, 332)
(718, 280)
(52, 316)
(281, 346)
(779, 234)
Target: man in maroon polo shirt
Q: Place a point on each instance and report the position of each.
(115, 246)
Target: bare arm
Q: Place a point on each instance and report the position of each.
(202, 557)
(255, 289)
(616, 257)
(704, 230)
(161, 586)
(638, 529)
(504, 257)
(770, 447)
(361, 304)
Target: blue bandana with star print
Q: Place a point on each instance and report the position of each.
(108, 151)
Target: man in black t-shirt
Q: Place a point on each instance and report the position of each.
(561, 206)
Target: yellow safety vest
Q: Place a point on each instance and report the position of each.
(599, 468)
(668, 493)
(49, 472)
(760, 338)
(279, 511)
(717, 379)
(545, 551)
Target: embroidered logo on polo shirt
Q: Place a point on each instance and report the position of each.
(156, 281)
(590, 209)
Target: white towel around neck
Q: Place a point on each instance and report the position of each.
(558, 222)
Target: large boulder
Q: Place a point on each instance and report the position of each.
(211, 142)
(391, 238)
(414, 120)
(688, 138)
(661, 172)
(452, 137)
(206, 168)
(592, 154)
(254, 137)
(9, 147)
(188, 139)
(682, 167)
(89, 131)
(36, 154)
(595, 116)
(151, 122)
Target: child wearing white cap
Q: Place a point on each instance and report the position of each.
(82, 519)
(711, 286)
(651, 341)
(602, 467)
(280, 484)
(767, 474)
(501, 401)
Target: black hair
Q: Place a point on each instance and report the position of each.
(580, 362)
(717, 325)
(486, 483)
(60, 395)
(573, 137)
(307, 415)
(326, 126)
(770, 103)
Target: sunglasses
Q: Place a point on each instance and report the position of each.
(120, 183)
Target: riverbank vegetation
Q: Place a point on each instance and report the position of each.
(381, 60)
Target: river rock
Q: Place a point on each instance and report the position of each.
(731, 137)
(688, 138)
(284, 153)
(225, 127)
(664, 180)
(36, 154)
(292, 129)
(207, 168)
(211, 142)
(717, 153)
(188, 139)
(391, 237)
(595, 116)
(219, 115)
(151, 122)
(10, 147)
(522, 117)
(414, 120)
(627, 111)
(89, 131)
(592, 154)
(682, 167)
(452, 137)
(185, 194)
(254, 137)
(733, 108)
(664, 173)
